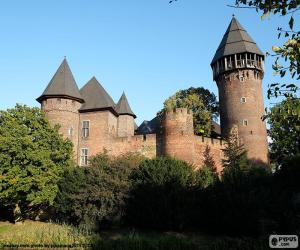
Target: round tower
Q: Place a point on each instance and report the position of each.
(238, 69)
(178, 134)
(61, 101)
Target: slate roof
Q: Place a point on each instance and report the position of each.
(96, 97)
(153, 126)
(123, 107)
(235, 40)
(149, 127)
(62, 84)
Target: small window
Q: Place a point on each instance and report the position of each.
(84, 157)
(73, 103)
(245, 122)
(243, 99)
(58, 100)
(70, 132)
(242, 78)
(85, 129)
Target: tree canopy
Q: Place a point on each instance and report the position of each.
(32, 158)
(284, 120)
(201, 101)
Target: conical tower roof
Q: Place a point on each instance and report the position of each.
(62, 84)
(123, 107)
(95, 97)
(236, 40)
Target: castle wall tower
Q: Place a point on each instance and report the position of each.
(238, 69)
(61, 101)
(126, 117)
(178, 134)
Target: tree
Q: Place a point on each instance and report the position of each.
(284, 120)
(201, 101)
(235, 156)
(160, 194)
(32, 158)
(290, 50)
(95, 196)
(209, 160)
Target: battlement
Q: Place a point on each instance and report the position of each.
(178, 112)
(209, 140)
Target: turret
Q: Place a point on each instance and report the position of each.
(61, 101)
(178, 134)
(126, 117)
(238, 69)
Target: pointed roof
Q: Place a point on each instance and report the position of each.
(96, 97)
(62, 84)
(236, 40)
(123, 107)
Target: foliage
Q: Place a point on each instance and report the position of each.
(206, 177)
(201, 101)
(95, 196)
(160, 196)
(235, 156)
(32, 158)
(290, 50)
(209, 160)
(284, 119)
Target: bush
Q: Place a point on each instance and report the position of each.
(95, 196)
(162, 194)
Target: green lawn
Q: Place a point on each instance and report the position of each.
(33, 233)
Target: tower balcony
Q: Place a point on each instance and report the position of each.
(238, 61)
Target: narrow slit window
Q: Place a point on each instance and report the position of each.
(85, 129)
(84, 157)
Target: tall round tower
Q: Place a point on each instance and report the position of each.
(61, 101)
(238, 69)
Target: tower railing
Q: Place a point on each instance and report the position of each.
(228, 63)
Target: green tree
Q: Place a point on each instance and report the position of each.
(32, 158)
(160, 195)
(95, 196)
(209, 160)
(289, 52)
(284, 120)
(201, 101)
(235, 156)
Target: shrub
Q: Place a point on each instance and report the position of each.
(161, 195)
(95, 196)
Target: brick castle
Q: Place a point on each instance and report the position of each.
(94, 123)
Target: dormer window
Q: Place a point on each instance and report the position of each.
(85, 129)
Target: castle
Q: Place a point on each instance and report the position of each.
(94, 123)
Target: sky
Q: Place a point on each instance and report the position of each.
(147, 48)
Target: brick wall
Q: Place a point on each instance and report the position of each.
(65, 113)
(234, 110)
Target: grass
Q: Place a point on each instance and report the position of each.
(40, 233)
(48, 235)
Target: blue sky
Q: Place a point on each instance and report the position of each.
(148, 48)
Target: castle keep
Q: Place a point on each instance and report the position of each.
(94, 122)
